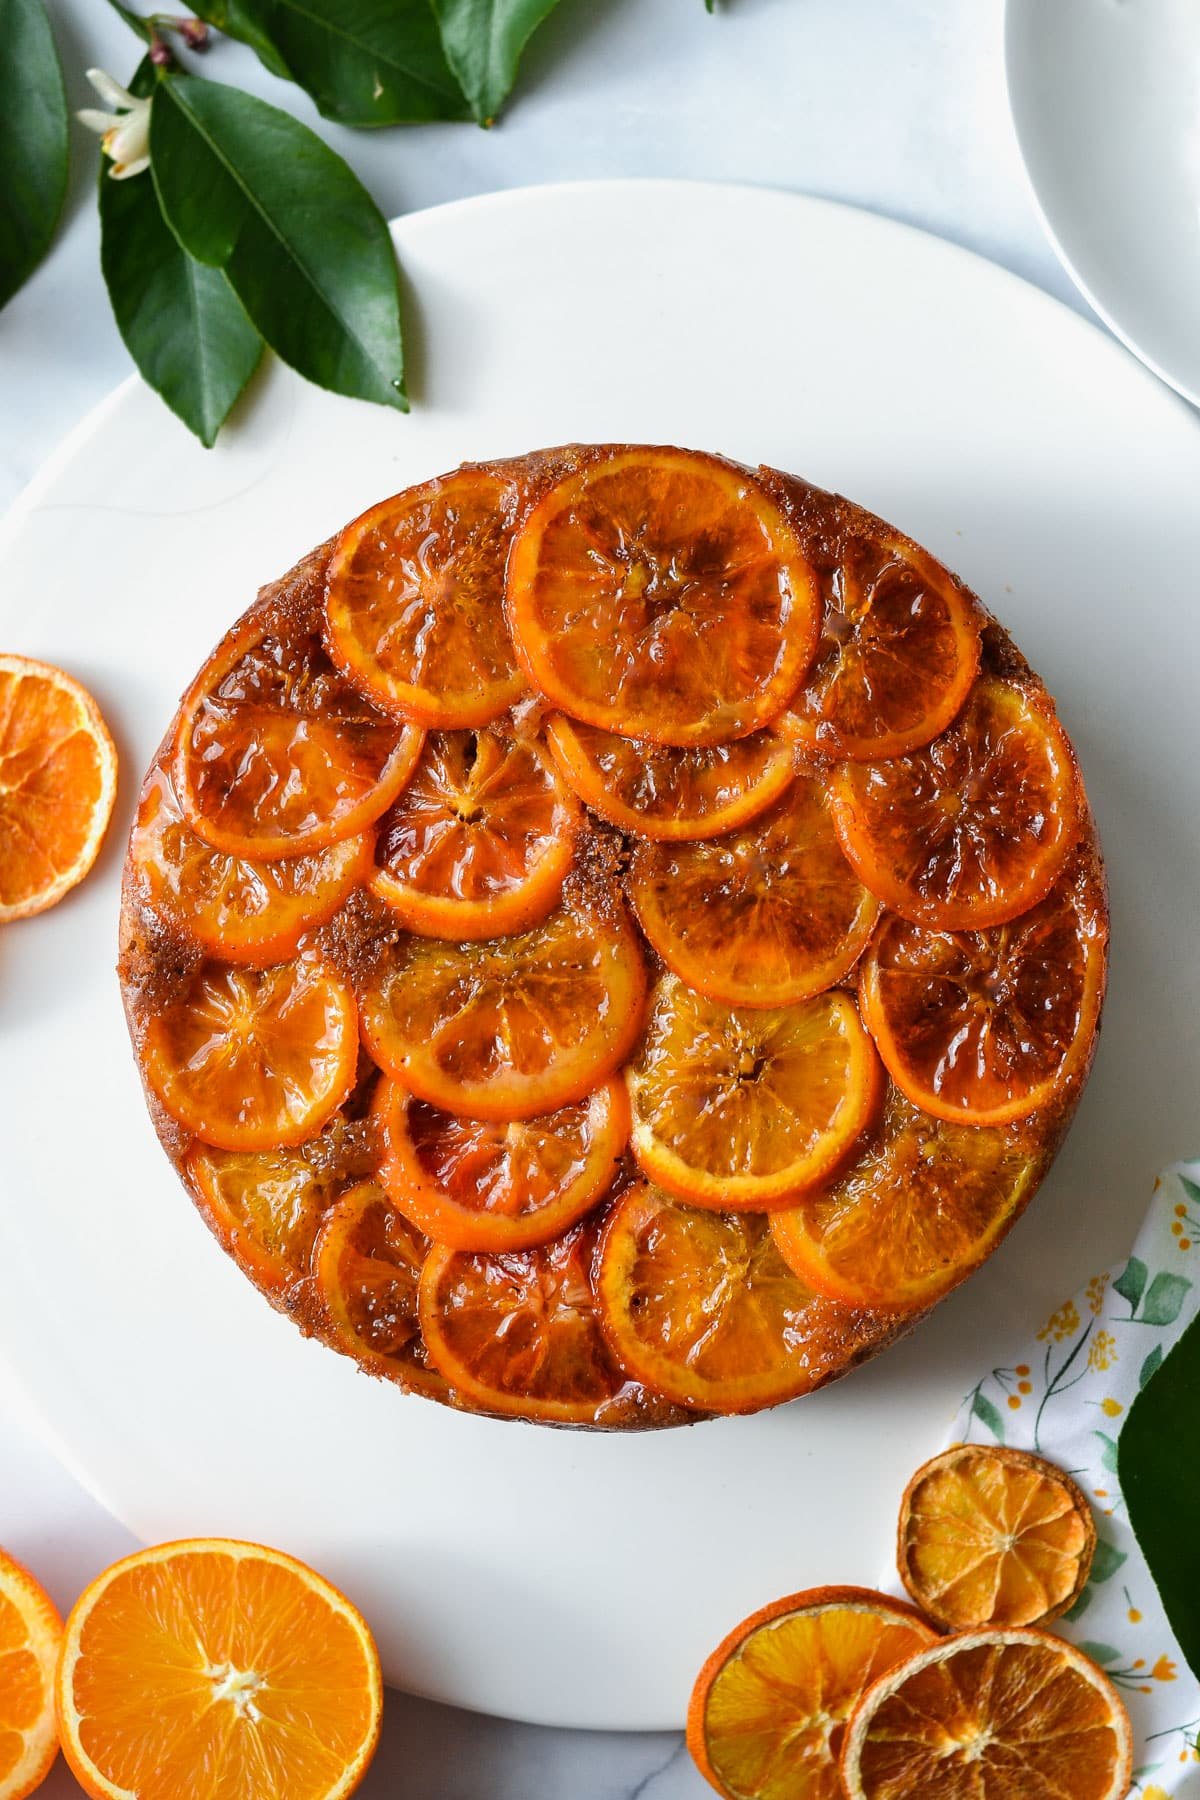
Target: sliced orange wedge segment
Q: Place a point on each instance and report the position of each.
(915, 1212)
(30, 1636)
(367, 1261)
(661, 594)
(479, 843)
(414, 600)
(741, 1108)
(770, 1705)
(211, 1668)
(973, 829)
(763, 917)
(58, 781)
(994, 1537)
(491, 1184)
(254, 1059)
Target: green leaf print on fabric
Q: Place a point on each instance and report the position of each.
(1150, 1366)
(1107, 1560)
(987, 1415)
(1164, 1301)
(1131, 1282)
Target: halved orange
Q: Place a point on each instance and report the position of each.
(917, 1210)
(254, 1059)
(491, 1184)
(515, 1027)
(990, 1715)
(212, 1668)
(988, 1026)
(973, 829)
(769, 1708)
(479, 843)
(661, 594)
(414, 600)
(899, 651)
(763, 917)
(991, 1536)
(742, 1108)
(58, 781)
(30, 1636)
(278, 753)
(367, 1261)
(667, 794)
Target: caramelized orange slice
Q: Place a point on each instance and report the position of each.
(916, 1212)
(414, 600)
(30, 1636)
(972, 830)
(512, 1028)
(278, 754)
(661, 594)
(740, 1109)
(479, 843)
(254, 1059)
(367, 1261)
(764, 917)
(667, 794)
(480, 1184)
(770, 1705)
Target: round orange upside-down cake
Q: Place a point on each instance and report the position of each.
(613, 936)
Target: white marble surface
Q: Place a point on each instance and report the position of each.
(897, 105)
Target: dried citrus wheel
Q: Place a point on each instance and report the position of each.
(213, 1668)
(763, 917)
(491, 1184)
(917, 1210)
(512, 1028)
(990, 1715)
(739, 1109)
(662, 594)
(973, 829)
(899, 651)
(254, 1059)
(30, 1635)
(367, 1261)
(414, 600)
(987, 1026)
(479, 843)
(991, 1536)
(278, 754)
(58, 781)
(669, 794)
(770, 1705)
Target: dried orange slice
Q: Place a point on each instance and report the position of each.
(278, 754)
(917, 1210)
(58, 781)
(367, 1261)
(254, 1059)
(668, 794)
(212, 1668)
(770, 1705)
(30, 1635)
(1002, 1715)
(740, 1109)
(764, 917)
(512, 1028)
(973, 829)
(987, 1026)
(899, 651)
(479, 843)
(414, 600)
(662, 594)
(491, 1184)
(990, 1536)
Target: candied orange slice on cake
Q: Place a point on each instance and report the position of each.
(30, 1635)
(662, 594)
(973, 829)
(739, 1108)
(367, 1261)
(667, 794)
(919, 1207)
(479, 843)
(254, 1059)
(414, 600)
(492, 1184)
(278, 753)
(770, 1705)
(763, 917)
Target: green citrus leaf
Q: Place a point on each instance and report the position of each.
(33, 142)
(484, 41)
(239, 20)
(1159, 1468)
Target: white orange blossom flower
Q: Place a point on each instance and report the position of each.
(125, 131)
